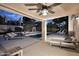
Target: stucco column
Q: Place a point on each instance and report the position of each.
(70, 23)
(44, 30)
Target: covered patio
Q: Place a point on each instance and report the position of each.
(65, 9)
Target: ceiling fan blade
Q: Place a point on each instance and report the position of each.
(54, 5)
(31, 4)
(33, 9)
(38, 10)
(40, 13)
(51, 11)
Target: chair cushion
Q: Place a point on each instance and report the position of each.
(11, 34)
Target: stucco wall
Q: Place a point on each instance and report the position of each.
(70, 23)
(76, 29)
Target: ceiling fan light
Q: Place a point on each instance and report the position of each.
(77, 18)
(44, 12)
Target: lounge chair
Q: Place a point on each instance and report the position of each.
(13, 35)
(68, 41)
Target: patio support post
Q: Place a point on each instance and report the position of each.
(44, 30)
(70, 23)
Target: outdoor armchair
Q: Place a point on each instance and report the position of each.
(13, 35)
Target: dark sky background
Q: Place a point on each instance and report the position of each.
(15, 17)
(9, 15)
(12, 16)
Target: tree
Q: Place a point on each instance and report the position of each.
(2, 20)
(51, 27)
(59, 22)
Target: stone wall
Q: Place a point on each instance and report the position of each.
(5, 27)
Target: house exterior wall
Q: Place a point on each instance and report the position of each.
(5, 27)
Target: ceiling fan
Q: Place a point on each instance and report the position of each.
(43, 8)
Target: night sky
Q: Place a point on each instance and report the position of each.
(9, 15)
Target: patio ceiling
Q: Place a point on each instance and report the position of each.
(64, 9)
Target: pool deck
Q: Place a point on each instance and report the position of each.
(36, 47)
